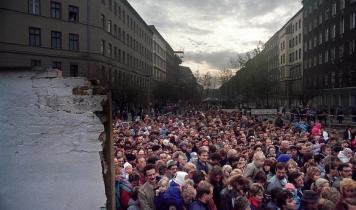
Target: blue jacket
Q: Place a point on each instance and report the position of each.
(197, 205)
(172, 196)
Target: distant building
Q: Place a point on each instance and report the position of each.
(329, 52)
(159, 71)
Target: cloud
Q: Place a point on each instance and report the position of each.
(212, 30)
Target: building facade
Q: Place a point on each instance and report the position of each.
(104, 40)
(291, 61)
(329, 52)
(159, 48)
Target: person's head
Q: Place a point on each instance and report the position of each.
(128, 168)
(257, 191)
(216, 175)
(281, 170)
(204, 191)
(258, 159)
(326, 150)
(150, 172)
(203, 155)
(242, 203)
(348, 188)
(198, 176)
(163, 156)
(240, 183)
(345, 170)
(190, 168)
(347, 204)
(285, 200)
(310, 200)
(140, 163)
(188, 193)
(292, 166)
(163, 184)
(313, 173)
(227, 169)
(325, 204)
(297, 179)
(134, 179)
(172, 167)
(180, 177)
(320, 184)
(330, 193)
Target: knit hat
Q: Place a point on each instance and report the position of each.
(180, 177)
(310, 196)
(283, 158)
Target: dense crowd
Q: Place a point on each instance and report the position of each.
(208, 160)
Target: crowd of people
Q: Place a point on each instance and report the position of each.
(209, 160)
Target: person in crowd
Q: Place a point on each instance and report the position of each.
(202, 162)
(204, 195)
(256, 196)
(216, 179)
(278, 180)
(310, 200)
(237, 185)
(285, 200)
(255, 166)
(146, 193)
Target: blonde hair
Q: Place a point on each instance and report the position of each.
(330, 193)
(347, 184)
(163, 182)
(259, 156)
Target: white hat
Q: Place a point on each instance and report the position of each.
(165, 142)
(180, 177)
(127, 165)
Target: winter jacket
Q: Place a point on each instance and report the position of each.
(172, 196)
(197, 205)
(228, 197)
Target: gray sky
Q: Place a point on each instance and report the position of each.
(211, 31)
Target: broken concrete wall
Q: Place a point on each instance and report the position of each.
(49, 148)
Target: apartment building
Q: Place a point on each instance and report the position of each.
(329, 52)
(98, 39)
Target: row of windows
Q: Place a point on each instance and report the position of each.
(295, 40)
(326, 56)
(294, 56)
(324, 37)
(73, 67)
(297, 25)
(159, 62)
(123, 57)
(125, 37)
(123, 79)
(158, 49)
(34, 7)
(333, 79)
(352, 21)
(35, 39)
(126, 19)
(314, 6)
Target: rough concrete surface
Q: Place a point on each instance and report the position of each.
(49, 148)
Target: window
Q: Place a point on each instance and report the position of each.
(74, 42)
(305, 46)
(352, 47)
(320, 19)
(341, 51)
(73, 13)
(35, 62)
(300, 23)
(110, 5)
(73, 70)
(110, 50)
(115, 30)
(332, 54)
(115, 53)
(109, 26)
(333, 31)
(333, 7)
(300, 53)
(342, 4)
(56, 39)
(102, 21)
(320, 38)
(342, 28)
(326, 14)
(115, 8)
(352, 20)
(34, 7)
(327, 35)
(34, 37)
(320, 58)
(102, 47)
(315, 41)
(57, 65)
(56, 10)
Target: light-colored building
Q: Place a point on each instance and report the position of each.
(291, 61)
(159, 48)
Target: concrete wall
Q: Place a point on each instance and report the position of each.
(49, 148)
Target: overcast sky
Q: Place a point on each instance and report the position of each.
(212, 31)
